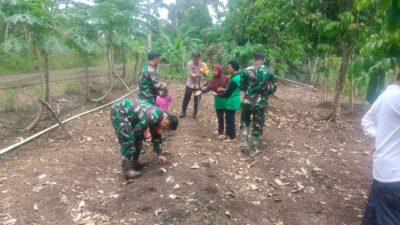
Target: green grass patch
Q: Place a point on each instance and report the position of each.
(72, 87)
(9, 99)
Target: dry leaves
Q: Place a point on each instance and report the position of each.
(195, 166)
(172, 196)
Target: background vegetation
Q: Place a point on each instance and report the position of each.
(346, 47)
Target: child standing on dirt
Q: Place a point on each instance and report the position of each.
(163, 100)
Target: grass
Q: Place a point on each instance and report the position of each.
(72, 87)
(9, 99)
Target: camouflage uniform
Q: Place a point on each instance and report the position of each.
(257, 83)
(130, 119)
(149, 85)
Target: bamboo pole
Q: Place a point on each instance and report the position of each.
(11, 147)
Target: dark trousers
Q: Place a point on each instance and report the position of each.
(186, 99)
(230, 123)
(383, 206)
(257, 114)
(220, 119)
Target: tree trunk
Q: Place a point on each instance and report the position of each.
(313, 71)
(87, 80)
(67, 4)
(136, 67)
(123, 63)
(6, 31)
(110, 71)
(43, 95)
(148, 20)
(47, 77)
(346, 53)
(351, 96)
(325, 77)
(325, 97)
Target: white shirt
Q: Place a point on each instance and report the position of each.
(382, 121)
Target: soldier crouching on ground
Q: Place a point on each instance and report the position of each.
(130, 119)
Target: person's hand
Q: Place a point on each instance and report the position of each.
(221, 89)
(201, 69)
(163, 84)
(214, 93)
(162, 159)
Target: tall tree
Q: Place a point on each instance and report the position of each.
(33, 25)
(117, 21)
(83, 36)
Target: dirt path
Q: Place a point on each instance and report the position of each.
(29, 79)
(306, 175)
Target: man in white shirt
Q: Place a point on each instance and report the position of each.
(382, 121)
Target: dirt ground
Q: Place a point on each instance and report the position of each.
(307, 174)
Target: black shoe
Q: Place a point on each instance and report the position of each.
(128, 169)
(194, 115)
(136, 165)
(182, 115)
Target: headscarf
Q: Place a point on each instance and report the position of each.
(219, 80)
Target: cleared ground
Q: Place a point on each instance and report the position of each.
(308, 174)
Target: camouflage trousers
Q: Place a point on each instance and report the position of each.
(124, 131)
(255, 114)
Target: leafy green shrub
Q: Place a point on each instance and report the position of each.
(72, 87)
(9, 99)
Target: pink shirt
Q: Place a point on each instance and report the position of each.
(163, 102)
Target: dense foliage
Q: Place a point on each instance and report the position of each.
(315, 41)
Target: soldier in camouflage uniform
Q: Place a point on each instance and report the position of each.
(149, 85)
(130, 119)
(257, 83)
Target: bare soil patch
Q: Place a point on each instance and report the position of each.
(307, 174)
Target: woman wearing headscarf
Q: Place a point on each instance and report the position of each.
(219, 81)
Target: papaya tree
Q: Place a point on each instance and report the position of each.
(32, 26)
(117, 22)
(82, 36)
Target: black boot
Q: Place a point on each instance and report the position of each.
(183, 114)
(128, 169)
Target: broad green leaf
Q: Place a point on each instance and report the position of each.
(386, 64)
(384, 4)
(14, 45)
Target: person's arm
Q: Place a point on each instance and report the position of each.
(156, 140)
(155, 83)
(169, 98)
(368, 122)
(192, 70)
(206, 89)
(244, 80)
(272, 86)
(231, 87)
(138, 131)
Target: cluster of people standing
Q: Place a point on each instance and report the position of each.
(257, 83)
(147, 117)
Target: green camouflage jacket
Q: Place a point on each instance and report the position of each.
(149, 85)
(257, 82)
